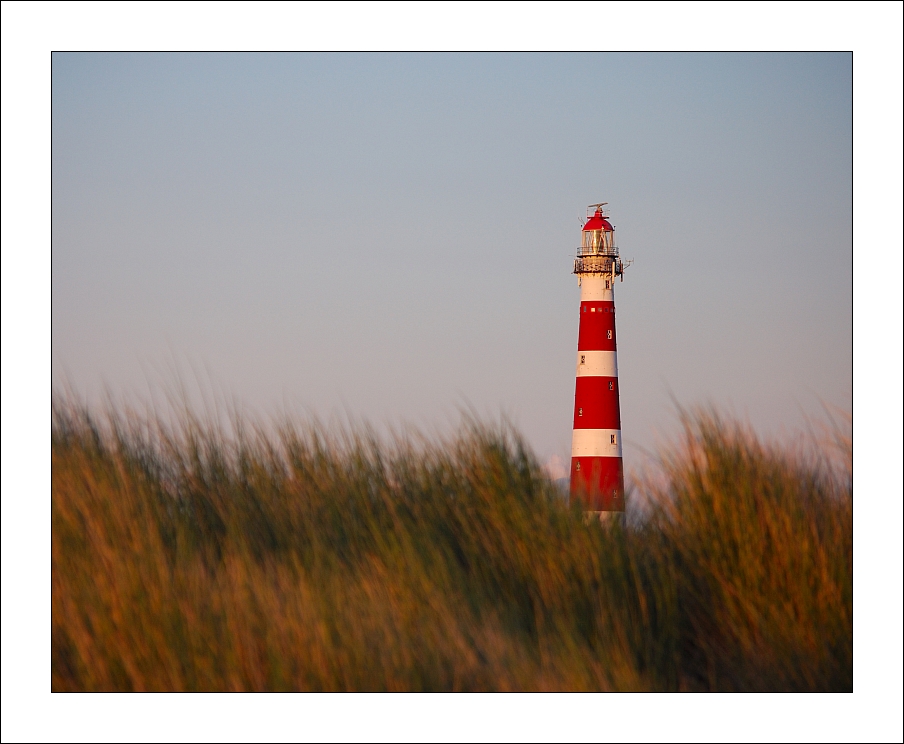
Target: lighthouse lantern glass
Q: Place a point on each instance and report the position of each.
(598, 243)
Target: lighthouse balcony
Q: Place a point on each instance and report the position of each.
(598, 250)
(595, 264)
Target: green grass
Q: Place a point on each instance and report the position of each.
(296, 559)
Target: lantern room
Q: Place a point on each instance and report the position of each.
(598, 235)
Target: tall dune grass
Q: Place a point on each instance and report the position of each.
(298, 559)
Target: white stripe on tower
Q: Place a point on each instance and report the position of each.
(596, 443)
(597, 364)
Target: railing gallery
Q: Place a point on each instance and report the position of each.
(588, 250)
(596, 264)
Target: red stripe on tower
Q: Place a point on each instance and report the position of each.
(597, 477)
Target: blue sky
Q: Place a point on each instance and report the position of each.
(390, 237)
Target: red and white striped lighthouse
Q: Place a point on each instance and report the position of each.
(597, 478)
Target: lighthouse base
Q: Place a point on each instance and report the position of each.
(598, 483)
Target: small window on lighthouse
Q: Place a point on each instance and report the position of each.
(607, 284)
(582, 359)
(580, 411)
(612, 438)
(577, 465)
(608, 334)
(612, 386)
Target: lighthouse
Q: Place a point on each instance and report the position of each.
(597, 477)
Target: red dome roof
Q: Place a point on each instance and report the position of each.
(598, 222)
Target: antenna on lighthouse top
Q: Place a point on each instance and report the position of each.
(601, 204)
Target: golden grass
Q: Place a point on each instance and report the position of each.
(185, 559)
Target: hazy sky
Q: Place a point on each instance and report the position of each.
(391, 236)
